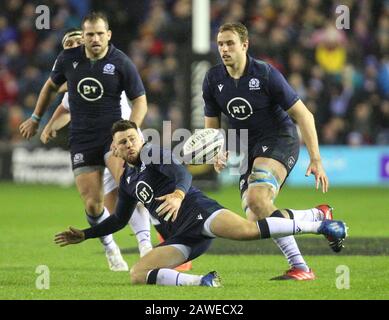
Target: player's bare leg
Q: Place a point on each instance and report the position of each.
(89, 182)
(110, 199)
(157, 266)
(186, 266)
(90, 188)
(264, 183)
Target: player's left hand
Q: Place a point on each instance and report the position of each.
(113, 149)
(72, 236)
(171, 204)
(29, 128)
(316, 167)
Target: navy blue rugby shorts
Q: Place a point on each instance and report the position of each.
(89, 157)
(283, 147)
(191, 234)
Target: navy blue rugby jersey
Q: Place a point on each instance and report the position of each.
(257, 101)
(145, 183)
(94, 89)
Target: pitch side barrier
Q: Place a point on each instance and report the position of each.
(36, 165)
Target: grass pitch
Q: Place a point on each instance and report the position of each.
(31, 215)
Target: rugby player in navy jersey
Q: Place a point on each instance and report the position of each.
(139, 223)
(255, 96)
(187, 219)
(96, 73)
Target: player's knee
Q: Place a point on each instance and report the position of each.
(137, 275)
(93, 206)
(259, 203)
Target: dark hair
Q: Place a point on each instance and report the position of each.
(94, 17)
(123, 125)
(71, 33)
(236, 27)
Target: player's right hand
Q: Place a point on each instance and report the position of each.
(171, 205)
(221, 161)
(29, 128)
(48, 134)
(73, 236)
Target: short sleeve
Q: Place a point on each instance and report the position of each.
(132, 83)
(65, 101)
(281, 92)
(211, 108)
(57, 74)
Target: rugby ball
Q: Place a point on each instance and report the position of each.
(203, 146)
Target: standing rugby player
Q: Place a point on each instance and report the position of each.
(96, 73)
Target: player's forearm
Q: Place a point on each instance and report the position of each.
(212, 122)
(44, 99)
(309, 135)
(123, 212)
(108, 226)
(139, 110)
(60, 118)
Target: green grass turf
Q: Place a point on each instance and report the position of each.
(31, 215)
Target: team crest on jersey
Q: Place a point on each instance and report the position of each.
(144, 192)
(239, 108)
(78, 158)
(90, 89)
(254, 84)
(291, 162)
(109, 69)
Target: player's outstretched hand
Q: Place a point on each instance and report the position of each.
(29, 128)
(48, 134)
(316, 167)
(72, 236)
(221, 161)
(171, 204)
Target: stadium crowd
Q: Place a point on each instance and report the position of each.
(341, 75)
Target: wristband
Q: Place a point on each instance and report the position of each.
(35, 118)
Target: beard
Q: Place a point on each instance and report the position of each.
(133, 159)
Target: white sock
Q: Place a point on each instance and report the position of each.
(107, 241)
(170, 277)
(291, 251)
(280, 227)
(140, 225)
(312, 215)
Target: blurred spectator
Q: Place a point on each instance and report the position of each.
(383, 76)
(342, 75)
(334, 131)
(330, 49)
(362, 123)
(7, 33)
(383, 123)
